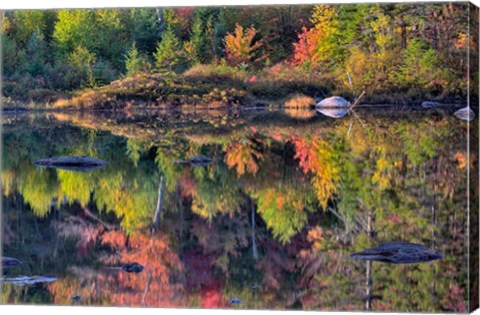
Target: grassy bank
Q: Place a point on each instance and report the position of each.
(213, 87)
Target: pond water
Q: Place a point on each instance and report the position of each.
(269, 224)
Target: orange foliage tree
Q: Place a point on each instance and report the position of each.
(240, 47)
(316, 45)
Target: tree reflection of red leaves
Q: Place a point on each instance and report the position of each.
(118, 288)
(305, 153)
(199, 274)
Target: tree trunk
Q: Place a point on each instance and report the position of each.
(254, 243)
(161, 21)
(368, 283)
(161, 192)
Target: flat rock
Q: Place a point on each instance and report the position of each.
(72, 163)
(398, 253)
(10, 262)
(132, 267)
(24, 280)
(197, 160)
(430, 104)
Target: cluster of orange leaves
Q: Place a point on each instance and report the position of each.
(243, 156)
(239, 46)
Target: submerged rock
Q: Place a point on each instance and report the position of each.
(24, 280)
(197, 160)
(10, 262)
(334, 101)
(72, 163)
(235, 301)
(132, 267)
(465, 114)
(333, 112)
(398, 253)
(430, 104)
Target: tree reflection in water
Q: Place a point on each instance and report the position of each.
(272, 222)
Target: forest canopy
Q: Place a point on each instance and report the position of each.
(381, 48)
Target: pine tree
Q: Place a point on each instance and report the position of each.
(168, 54)
(134, 62)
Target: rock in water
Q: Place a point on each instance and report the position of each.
(10, 262)
(200, 160)
(235, 301)
(72, 163)
(465, 114)
(398, 253)
(24, 280)
(333, 112)
(430, 104)
(334, 101)
(132, 267)
(197, 160)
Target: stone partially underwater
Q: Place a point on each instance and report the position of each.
(72, 163)
(398, 253)
(197, 160)
(10, 262)
(25, 280)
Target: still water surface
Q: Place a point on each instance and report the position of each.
(270, 224)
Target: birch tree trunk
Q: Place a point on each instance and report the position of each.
(161, 192)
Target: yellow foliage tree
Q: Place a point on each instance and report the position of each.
(240, 47)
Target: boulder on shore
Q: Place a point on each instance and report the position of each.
(334, 101)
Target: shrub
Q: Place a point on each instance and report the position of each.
(103, 72)
(82, 60)
(299, 101)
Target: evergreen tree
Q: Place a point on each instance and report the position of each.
(168, 54)
(134, 62)
(36, 51)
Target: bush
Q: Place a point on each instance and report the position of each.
(299, 101)
(103, 72)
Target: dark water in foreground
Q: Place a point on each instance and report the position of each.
(270, 224)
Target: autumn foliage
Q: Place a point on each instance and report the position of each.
(240, 46)
(315, 157)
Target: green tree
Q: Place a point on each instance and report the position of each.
(196, 46)
(144, 29)
(82, 60)
(134, 62)
(36, 51)
(168, 54)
